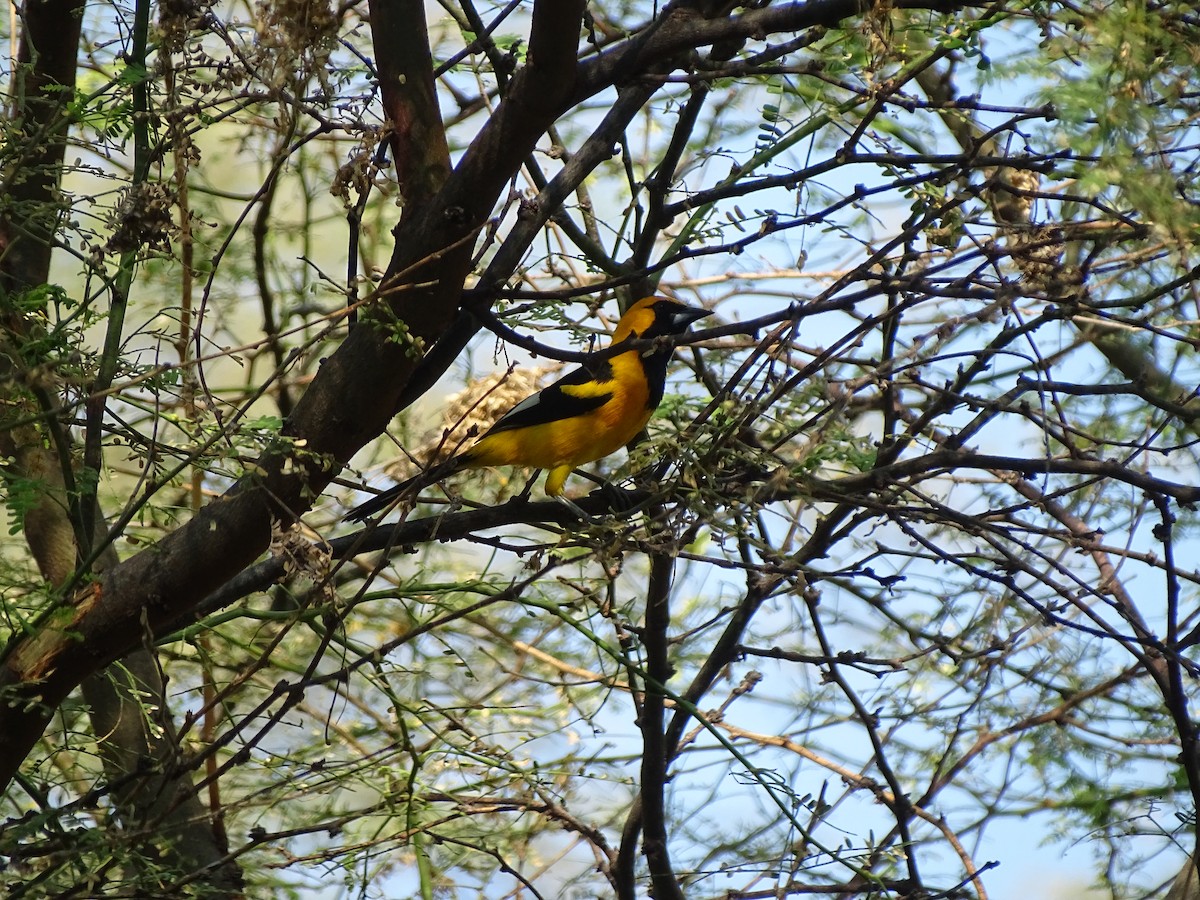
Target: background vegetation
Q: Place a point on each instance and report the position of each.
(902, 581)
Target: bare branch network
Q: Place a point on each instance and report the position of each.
(905, 558)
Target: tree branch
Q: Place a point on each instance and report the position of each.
(409, 96)
(656, 755)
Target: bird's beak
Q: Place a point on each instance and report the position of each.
(686, 316)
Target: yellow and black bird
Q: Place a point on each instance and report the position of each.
(584, 416)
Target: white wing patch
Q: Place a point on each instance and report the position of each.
(530, 402)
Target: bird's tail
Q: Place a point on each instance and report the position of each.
(412, 486)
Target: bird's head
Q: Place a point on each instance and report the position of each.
(653, 317)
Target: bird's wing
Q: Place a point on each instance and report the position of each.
(576, 393)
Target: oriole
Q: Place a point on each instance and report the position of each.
(584, 416)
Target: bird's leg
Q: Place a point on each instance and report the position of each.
(573, 507)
